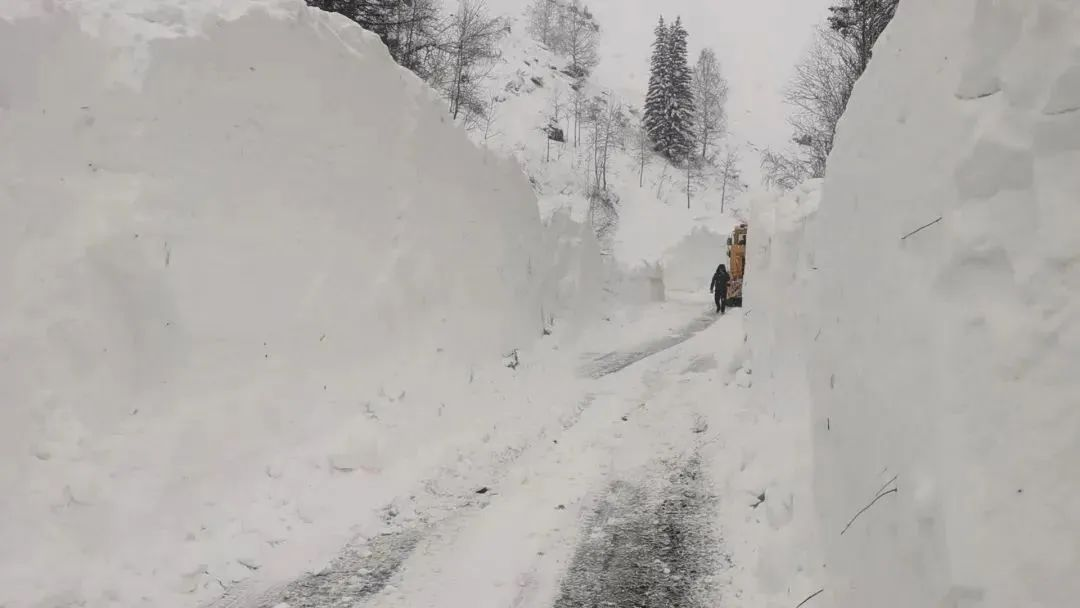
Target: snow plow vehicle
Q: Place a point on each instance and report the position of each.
(736, 264)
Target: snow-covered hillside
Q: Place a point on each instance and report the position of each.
(756, 65)
(526, 84)
(245, 261)
(930, 316)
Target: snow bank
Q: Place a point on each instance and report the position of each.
(942, 323)
(781, 260)
(226, 226)
(779, 268)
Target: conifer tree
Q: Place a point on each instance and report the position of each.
(680, 110)
(656, 100)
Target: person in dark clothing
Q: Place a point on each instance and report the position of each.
(719, 288)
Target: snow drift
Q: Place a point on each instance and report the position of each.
(941, 315)
(219, 232)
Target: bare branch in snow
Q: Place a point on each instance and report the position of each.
(812, 596)
(880, 495)
(920, 229)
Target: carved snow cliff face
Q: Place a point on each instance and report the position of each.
(938, 321)
(220, 224)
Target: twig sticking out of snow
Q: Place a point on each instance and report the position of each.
(886, 484)
(881, 493)
(921, 228)
(812, 596)
(760, 498)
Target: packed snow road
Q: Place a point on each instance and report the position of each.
(609, 363)
(618, 507)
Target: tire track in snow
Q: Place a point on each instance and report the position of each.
(616, 361)
(660, 539)
(647, 548)
(365, 567)
(360, 571)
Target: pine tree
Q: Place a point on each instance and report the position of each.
(680, 108)
(656, 100)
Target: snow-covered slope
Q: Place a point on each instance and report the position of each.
(227, 235)
(940, 315)
(526, 84)
(756, 65)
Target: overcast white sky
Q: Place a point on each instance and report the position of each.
(757, 41)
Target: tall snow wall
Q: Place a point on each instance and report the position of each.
(221, 224)
(779, 268)
(941, 332)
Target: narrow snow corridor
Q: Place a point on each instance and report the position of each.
(406, 303)
(617, 502)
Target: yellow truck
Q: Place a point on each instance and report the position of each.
(736, 264)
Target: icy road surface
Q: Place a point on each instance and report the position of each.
(620, 507)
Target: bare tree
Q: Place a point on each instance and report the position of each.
(608, 123)
(604, 215)
(411, 29)
(643, 147)
(472, 46)
(822, 87)
(603, 203)
(861, 23)
(489, 119)
(542, 21)
(783, 171)
(696, 171)
(553, 130)
(819, 94)
(710, 96)
(689, 174)
(605, 123)
(580, 39)
(662, 180)
(568, 28)
(730, 176)
(579, 106)
(416, 29)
